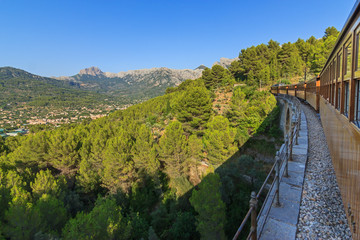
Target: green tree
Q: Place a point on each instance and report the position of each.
(290, 60)
(144, 153)
(45, 182)
(210, 208)
(22, 221)
(219, 140)
(118, 167)
(88, 178)
(2, 146)
(217, 76)
(173, 149)
(194, 107)
(105, 221)
(63, 150)
(331, 31)
(152, 234)
(250, 168)
(139, 226)
(184, 227)
(17, 187)
(52, 214)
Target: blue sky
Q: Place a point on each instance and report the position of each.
(60, 37)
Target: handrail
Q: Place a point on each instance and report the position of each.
(243, 223)
(282, 156)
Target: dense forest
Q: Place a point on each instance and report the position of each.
(169, 168)
(290, 62)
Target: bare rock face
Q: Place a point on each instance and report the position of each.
(172, 76)
(93, 71)
(145, 82)
(225, 62)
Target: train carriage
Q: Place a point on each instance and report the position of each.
(335, 93)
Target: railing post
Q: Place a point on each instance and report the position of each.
(286, 173)
(253, 205)
(287, 146)
(297, 133)
(277, 178)
(291, 141)
(299, 118)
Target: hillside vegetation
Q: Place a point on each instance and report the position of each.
(168, 168)
(19, 87)
(127, 170)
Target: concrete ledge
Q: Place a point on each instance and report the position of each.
(275, 230)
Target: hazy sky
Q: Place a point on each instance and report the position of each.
(60, 37)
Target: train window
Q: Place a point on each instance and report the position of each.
(357, 59)
(334, 94)
(357, 104)
(346, 99)
(347, 69)
(339, 65)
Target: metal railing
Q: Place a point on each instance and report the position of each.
(281, 161)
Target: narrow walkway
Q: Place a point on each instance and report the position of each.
(281, 221)
(322, 213)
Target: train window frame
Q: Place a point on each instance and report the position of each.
(339, 65)
(346, 98)
(357, 104)
(347, 64)
(356, 51)
(334, 94)
(333, 82)
(339, 75)
(338, 97)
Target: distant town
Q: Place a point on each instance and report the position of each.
(18, 120)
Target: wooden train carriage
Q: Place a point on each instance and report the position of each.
(283, 89)
(312, 88)
(275, 90)
(340, 114)
(292, 90)
(300, 90)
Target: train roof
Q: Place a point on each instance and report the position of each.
(353, 13)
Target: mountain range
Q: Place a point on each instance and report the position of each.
(19, 87)
(92, 85)
(134, 84)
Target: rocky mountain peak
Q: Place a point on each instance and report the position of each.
(201, 67)
(225, 62)
(93, 71)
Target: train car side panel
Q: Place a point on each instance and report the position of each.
(343, 139)
(311, 99)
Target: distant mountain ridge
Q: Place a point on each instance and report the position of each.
(175, 76)
(134, 84)
(18, 86)
(123, 87)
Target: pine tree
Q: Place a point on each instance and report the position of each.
(219, 140)
(144, 154)
(45, 182)
(210, 208)
(22, 221)
(52, 213)
(105, 221)
(194, 107)
(173, 148)
(63, 151)
(118, 168)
